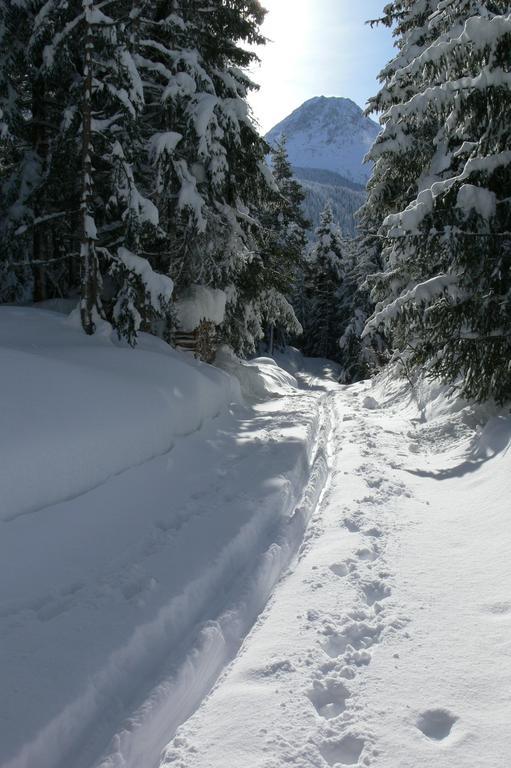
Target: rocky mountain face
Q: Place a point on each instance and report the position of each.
(327, 139)
(328, 134)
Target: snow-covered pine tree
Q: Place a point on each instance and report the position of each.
(323, 281)
(360, 357)
(208, 160)
(76, 180)
(442, 179)
(21, 147)
(281, 268)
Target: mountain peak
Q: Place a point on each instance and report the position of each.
(329, 133)
(340, 101)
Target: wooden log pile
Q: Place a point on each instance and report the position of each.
(202, 341)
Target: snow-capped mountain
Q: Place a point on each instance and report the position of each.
(328, 133)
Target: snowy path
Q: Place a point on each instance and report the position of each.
(389, 642)
(125, 602)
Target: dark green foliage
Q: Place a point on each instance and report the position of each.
(323, 281)
(442, 180)
(177, 179)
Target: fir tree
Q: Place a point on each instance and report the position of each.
(442, 178)
(360, 356)
(129, 159)
(75, 204)
(323, 283)
(284, 247)
(208, 159)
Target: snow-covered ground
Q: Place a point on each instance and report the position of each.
(150, 507)
(146, 515)
(388, 643)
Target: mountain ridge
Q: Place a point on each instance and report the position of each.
(328, 133)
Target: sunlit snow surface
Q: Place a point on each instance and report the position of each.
(388, 642)
(148, 514)
(328, 133)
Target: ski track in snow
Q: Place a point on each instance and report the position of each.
(141, 680)
(327, 666)
(339, 639)
(301, 691)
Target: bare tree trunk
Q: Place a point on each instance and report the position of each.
(40, 148)
(89, 265)
(271, 339)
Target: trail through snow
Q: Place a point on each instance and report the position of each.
(320, 579)
(388, 644)
(127, 591)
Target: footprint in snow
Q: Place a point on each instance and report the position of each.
(345, 751)
(357, 658)
(500, 610)
(436, 724)
(275, 669)
(329, 698)
(340, 569)
(373, 533)
(355, 636)
(365, 553)
(376, 591)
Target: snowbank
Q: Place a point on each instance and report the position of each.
(201, 303)
(259, 378)
(77, 410)
(133, 563)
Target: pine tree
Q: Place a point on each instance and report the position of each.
(284, 246)
(75, 202)
(323, 283)
(360, 356)
(129, 159)
(207, 158)
(442, 179)
(22, 148)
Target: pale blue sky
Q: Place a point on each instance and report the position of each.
(319, 48)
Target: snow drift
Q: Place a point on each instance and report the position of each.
(78, 410)
(147, 514)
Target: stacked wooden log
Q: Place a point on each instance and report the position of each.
(202, 341)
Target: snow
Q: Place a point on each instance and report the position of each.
(159, 287)
(259, 567)
(259, 379)
(412, 217)
(200, 303)
(147, 514)
(328, 133)
(387, 642)
(80, 409)
(421, 293)
(478, 199)
(90, 231)
(188, 196)
(163, 143)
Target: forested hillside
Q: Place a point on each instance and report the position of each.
(133, 178)
(132, 170)
(255, 461)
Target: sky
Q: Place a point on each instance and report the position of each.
(317, 48)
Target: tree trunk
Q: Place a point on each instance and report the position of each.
(271, 339)
(40, 148)
(89, 266)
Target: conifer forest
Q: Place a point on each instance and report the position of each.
(255, 384)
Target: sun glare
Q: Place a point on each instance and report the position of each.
(288, 29)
